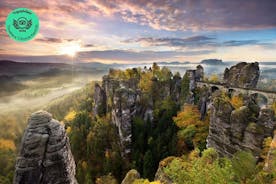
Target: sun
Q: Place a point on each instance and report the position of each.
(70, 49)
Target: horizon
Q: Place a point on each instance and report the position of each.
(124, 32)
(141, 63)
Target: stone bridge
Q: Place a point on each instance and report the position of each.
(269, 95)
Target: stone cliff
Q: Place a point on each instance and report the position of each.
(233, 129)
(243, 128)
(243, 74)
(124, 99)
(45, 155)
(271, 157)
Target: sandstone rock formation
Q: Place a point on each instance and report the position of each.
(271, 157)
(124, 100)
(199, 73)
(232, 129)
(124, 108)
(194, 76)
(99, 106)
(45, 155)
(160, 174)
(243, 75)
(131, 176)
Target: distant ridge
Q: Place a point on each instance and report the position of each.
(212, 62)
(174, 63)
(10, 62)
(10, 68)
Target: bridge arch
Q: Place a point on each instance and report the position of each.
(261, 99)
(214, 88)
(231, 92)
(268, 97)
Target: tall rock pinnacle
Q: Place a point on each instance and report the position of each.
(45, 155)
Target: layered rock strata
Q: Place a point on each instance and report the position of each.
(45, 155)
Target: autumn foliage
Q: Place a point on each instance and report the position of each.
(193, 132)
(237, 101)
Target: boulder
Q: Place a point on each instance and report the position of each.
(160, 175)
(131, 176)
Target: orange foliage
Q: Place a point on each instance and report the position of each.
(192, 129)
(6, 144)
(236, 101)
(189, 116)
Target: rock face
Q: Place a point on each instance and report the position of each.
(45, 155)
(99, 106)
(124, 100)
(124, 108)
(232, 129)
(271, 157)
(199, 73)
(194, 76)
(131, 176)
(243, 75)
(160, 174)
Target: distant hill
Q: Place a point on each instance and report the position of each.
(212, 62)
(12, 68)
(173, 63)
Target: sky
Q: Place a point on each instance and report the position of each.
(145, 31)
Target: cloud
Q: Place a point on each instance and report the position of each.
(128, 55)
(54, 40)
(88, 45)
(194, 15)
(241, 42)
(199, 41)
(189, 42)
(110, 56)
(50, 40)
(158, 14)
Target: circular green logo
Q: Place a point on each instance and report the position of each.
(22, 24)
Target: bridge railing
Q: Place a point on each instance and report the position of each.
(227, 86)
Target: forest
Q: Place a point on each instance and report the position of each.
(172, 142)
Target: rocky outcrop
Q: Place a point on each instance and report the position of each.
(232, 129)
(243, 75)
(99, 106)
(199, 73)
(265, 119)
(160, 175)
(271, 157)
(124, 108)
(131, 176)
(194, 76)
(45, 155)
(124, 100)
(220, 128)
